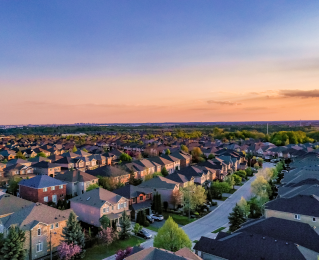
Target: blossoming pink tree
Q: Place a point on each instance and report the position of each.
(67, 251)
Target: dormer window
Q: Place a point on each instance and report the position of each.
(313, 219)
(141, 197)
(39, 231)
(297, 216)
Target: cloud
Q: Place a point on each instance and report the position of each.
(227, 103)
(300, 93)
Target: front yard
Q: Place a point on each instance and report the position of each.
(179, 219)
(100, 252)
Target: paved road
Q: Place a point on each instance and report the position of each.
(219, 217)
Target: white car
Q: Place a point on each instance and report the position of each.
(157, 217)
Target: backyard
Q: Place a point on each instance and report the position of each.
(99, 252)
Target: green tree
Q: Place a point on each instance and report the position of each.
(20, 155)
(41, 154)
(92, 186)
(74, 149)
(230, 180)
(211, 156)
(73, 233)
(12, 248)
(260, 187)
(237, 179)
(125, 226)
(255, 208)
(84, 150)
(244, 206)
(193, 197)
(125, 157)
(171, 237)
(249, 172)
(105, 222)
(137, 228)
(184, 148)
(14, 186)
(164, 171)
(236, 218)
(167, 152)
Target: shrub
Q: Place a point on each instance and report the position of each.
(214, 203)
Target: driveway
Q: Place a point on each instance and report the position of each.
(219, 217)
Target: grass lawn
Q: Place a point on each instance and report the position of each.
(101, 251)
(181, 220)
(152, 228)
(232, 191)
(218, 230)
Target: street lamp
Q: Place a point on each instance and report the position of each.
(51, 243)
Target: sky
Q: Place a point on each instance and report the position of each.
(124, 61)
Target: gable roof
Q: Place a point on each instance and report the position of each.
(10, 204)
(41, 181)
(108, 171)
(97, 197)
(75, 176)
(159, 182)
(130, 191)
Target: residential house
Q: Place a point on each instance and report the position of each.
(46, 168)
(161, 162)
(300, 208)
(163, 186)
(101, 160)
(18, 161)
(42, 188)
(183, 180)
(8, 154)
(77, 181)
(10, 204)
(153, 253)
(116, 173)
(139, 198)
(200, 174)
(92, 205)
(43, 227)
(185, 158)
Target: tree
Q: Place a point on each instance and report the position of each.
(74, 149)
(184, 148)
(193, 196)
(237, 179)
(125, 226)
(13, 245)
(68, 251)
(105, 222)
(244, 206)
(14, 186)
(122, 254)
(164, 171)
(84, 150)
(259, 187)
(236, 218)
(255, 208)
(125, 157)
(218, 188)
(41, 154)
(92, 187)
(107, 236)
(171, 237)
(230, 180)
(167, 152)
(196, 155)
(249, 172)
(165, 205)
(72, 233)
(137, 228)
(177, 198)
(211, 156)
(20, 155)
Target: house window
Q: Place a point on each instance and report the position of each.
(104, 210)
(60, 186)
(107, 209)
(118, 206)
(53, 188)
(141, 197)
(39, 231)
(46, 199)
(57, 225)
(147, 196)
(133, 200)
(52, 226)
(45, 189)
(124, 204)
(39, 247)
(297, 216)
(314, 219)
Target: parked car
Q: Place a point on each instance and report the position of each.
(144, 234)
(150, 219)
(157, 217)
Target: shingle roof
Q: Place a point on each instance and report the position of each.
(41, 181)
(75, 176)
(10, 204)
(300, 204)
(153, 253)
(108, 171)
(159, 183)
(29, 216)
(130, 191)
(97, 198)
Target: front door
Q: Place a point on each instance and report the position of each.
(54, 198)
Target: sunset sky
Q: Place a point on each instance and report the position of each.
(124, 61)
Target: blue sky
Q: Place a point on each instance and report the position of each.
(148, 41)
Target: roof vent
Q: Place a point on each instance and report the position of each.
(263, 237)
(275, 240)
(286, 243)
(88, 198)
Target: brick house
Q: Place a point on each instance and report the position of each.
(139, 198)
(42, 188)
(39, 223)
(92, 205)
(46, 168)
